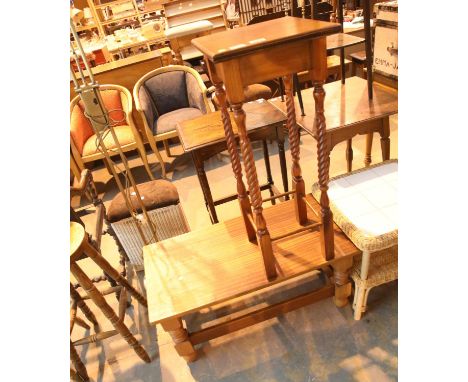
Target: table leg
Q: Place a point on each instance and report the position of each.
(263, 235)
(385, 138)
(318, 74)
(201, 174)
(368, 157)
(282, 159)
(100, 301)
(297, 87)
(266, 158)
(297, 182)
(181, 339)
(342, 282)
(349, 154)
(244, 201)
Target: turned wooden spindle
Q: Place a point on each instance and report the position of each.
(297, 182)
(75, 296)
(263, 236)
(109, 270)
(100, 301)
(79, 366)
(323, 159)
(244, 201)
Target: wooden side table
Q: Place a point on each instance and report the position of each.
(204, 137)
(349, 112)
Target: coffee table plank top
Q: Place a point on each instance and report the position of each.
(345, 105)
(208, 129)
(342, 40)
(225, 45)
(217, 263)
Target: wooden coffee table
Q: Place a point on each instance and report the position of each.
(204, 137)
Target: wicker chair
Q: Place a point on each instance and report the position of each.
(165, 97)
(364, 205)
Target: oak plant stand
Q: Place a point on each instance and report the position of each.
(262, 247)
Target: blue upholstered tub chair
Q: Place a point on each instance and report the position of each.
(167, 96)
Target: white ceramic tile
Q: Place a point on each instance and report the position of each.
(354, 205)
(394, 183)
(390, 168)
(339, 188)
(363, 180)
(381, 196)
(374, 223)
(391, 212)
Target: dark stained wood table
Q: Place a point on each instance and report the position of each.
(204, 137)
(342, 40)
(349, 112)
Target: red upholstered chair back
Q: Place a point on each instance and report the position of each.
(80, 126)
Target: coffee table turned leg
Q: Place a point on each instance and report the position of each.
(181, 339)
(342, 282)
(296, 171)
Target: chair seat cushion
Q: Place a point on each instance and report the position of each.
(365, 205)
(155, 194)
(168, 122)
(124, 136)
(256, 91)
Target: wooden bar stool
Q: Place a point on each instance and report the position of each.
(80, 248)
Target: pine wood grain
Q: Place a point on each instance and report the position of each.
(218, 263)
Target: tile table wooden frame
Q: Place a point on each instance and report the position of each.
(203, 137)
(231, 259)
(349, 112)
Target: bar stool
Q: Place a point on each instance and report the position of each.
(79, 249)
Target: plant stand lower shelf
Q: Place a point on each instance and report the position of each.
(215, 264)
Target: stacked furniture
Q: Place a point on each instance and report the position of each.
(262, 247)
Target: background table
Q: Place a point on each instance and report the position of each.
(349, 112)
(204, 137)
